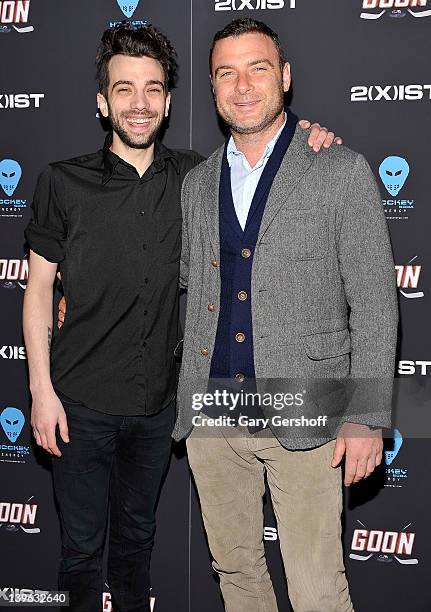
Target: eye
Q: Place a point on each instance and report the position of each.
(155, 90)
(4, 174)
(398, 173)
(260, 68)
(12, 174)
(227, 73)
(389, 173)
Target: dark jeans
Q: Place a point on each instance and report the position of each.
(113, 459)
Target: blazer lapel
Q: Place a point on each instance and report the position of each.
(210, 199)
(297, 160)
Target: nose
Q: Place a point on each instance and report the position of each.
(243, 83)
(140, 101)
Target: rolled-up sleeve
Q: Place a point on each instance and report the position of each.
(46, 233)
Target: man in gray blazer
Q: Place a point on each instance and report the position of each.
(290, 276)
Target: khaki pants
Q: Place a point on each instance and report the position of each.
(229, 467)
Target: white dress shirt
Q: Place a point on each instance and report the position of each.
(244, 178)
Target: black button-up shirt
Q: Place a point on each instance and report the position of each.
(117, 238)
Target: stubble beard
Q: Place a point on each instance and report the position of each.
(140, 141)
(271, 114)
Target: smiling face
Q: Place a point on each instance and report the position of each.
(248, 82)
(137, 101)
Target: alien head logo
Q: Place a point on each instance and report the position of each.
(398, 442)
(128, 7)
(12, 420)
(10, 174)
(394, 172)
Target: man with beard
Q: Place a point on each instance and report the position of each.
(290, 276)
(111, 222)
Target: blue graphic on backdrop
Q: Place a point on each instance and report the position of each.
(128, 7)
(390, 455)
(12, 420)
(394, 172)
(10, 174)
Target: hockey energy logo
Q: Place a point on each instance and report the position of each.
(396, 9)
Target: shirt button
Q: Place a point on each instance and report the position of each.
(211, 307)
(239, 377)
(246, 252)
(214, 263)
(204, 351)
(242, 296)
(142, 213)
(240, 337)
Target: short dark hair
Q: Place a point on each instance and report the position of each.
(133, 41)
(246, 25)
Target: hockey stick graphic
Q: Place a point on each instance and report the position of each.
(421, 14)
(30, 529)
(407, 561)
(360, 557)
(416, 294)
(25, 30)
(372, 15)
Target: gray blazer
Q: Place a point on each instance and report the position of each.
(324, 303)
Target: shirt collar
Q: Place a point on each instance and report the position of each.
(232, 151)
(111, 160)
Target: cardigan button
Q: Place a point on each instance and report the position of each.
(242, 296)
(204, 351)
(214, 263)
(246, 253)
(240, 337)
(211, 307)
(240, 377)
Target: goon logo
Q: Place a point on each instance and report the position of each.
(13, 14)
(383, 546)
(394, 172)
(252, 5)
(408, 279)
(396, 9)
(15, 517)
(13, 273)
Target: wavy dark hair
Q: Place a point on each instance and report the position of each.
(246, 25)
(133, 41)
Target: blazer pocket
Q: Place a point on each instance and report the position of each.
(327, 344)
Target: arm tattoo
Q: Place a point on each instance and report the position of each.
(49, 339)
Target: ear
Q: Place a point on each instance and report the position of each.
(102, 104)
(212, 87)
(167, 103)
(286, 77)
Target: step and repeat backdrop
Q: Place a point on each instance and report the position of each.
(360, 67)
